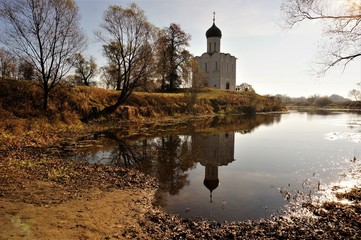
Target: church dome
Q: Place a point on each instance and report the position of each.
(214, 31)
(211, 184)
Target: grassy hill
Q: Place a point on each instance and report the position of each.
(69, 104)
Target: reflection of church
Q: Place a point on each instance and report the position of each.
(214, 151)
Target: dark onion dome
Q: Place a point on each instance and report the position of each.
(211, 184)
(214, 31)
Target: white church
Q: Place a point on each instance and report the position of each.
(220, 68)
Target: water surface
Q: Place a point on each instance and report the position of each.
(236, 167)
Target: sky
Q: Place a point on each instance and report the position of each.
(271, 59)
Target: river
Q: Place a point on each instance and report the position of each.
(236, 167)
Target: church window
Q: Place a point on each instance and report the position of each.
(206, 67)
(216, 65)
(215, 46)
(210, 47)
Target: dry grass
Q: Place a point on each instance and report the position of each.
(67, 105)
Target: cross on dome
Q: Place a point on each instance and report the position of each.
(214, 31)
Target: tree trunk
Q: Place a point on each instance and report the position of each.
(46, 98)
(106, 111)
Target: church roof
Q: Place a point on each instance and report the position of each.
(214, 31)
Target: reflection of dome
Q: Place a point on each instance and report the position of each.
(214, 31)
(211, 184)
(211, 180)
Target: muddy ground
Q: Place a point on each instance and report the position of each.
(45, 196)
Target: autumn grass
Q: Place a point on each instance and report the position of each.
(69, 104)
(23, 123)
(29, 175)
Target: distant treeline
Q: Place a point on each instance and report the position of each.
(317, 101)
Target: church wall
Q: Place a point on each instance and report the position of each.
(220, 69)
(213, 80)
(228, 71)
(210, 64)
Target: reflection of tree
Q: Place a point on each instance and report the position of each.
(236, 123)
(124, 156)
(172, 151)
(107, 147)
(167, 158)
(174, 158)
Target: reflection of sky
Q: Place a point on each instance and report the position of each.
(293, 155)
(349, 136)
(296, 145)
(101, 156)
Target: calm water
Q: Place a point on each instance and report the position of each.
(236, 168)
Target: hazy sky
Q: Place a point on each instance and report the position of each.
(272, 60)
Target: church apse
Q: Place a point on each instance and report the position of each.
(214, 151)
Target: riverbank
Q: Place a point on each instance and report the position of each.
(45, 196)
(71, 104)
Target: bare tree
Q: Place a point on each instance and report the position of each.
(342, 27)
(127, 37)
(356, 94)
(7, 64)
(26, 70)
(115, 62)
(172, 56)
(85, 69)
(107, 77)
(45, 32)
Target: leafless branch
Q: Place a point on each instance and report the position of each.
(342, 29)
(45, 32)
